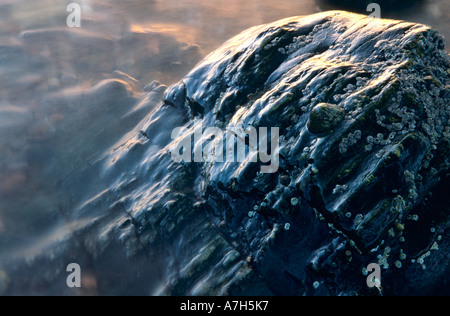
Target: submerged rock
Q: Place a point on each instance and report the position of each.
(364, 182)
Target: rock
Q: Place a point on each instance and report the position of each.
(363, 82)
(285, 180)
(325, 117)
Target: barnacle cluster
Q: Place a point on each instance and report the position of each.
(351, 140)
(297, 42)
(301, 40)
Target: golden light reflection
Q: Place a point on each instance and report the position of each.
(178, 31)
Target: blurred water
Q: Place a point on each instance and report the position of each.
(62, 91)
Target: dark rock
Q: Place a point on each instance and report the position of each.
(362, 81)
(285, 180)
(325, 117)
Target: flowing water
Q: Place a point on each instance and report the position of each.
(61, 90)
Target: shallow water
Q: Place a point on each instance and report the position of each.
(68, 95)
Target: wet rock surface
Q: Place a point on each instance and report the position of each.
(367, 186)
(367, 180)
